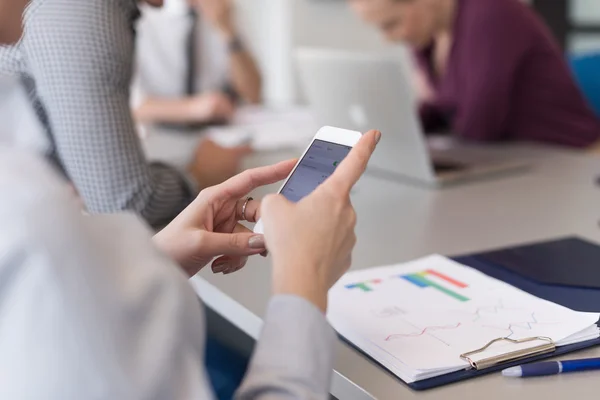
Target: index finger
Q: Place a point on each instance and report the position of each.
(242, 184)
(354, 165)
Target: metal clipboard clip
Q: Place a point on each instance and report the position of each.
(548, 347)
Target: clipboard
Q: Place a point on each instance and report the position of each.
(580, 299)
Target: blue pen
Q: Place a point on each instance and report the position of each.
(552, 368)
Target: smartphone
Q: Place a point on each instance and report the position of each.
(326, 151)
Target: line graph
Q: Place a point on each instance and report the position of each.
(479, 313)
(422, 332)
(483, 311)
(489, 316)
(487, 310)
(388, 312)
(524, 325)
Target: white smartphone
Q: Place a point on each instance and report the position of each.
(327, 149)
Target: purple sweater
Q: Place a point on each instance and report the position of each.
(506, 79)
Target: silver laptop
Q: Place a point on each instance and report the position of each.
(366, 91)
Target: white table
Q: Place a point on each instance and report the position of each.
(399, 222)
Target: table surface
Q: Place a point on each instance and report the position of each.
(558, 196)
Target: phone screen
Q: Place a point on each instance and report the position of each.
(319, 162)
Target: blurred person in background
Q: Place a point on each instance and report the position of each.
(76, 60)
(192, 64)
(488, 70)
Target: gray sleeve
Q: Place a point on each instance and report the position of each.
(294, 356)
(80, 54)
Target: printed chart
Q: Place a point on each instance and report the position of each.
(428, 312)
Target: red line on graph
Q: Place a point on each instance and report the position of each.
(447, 279)
(417, 334)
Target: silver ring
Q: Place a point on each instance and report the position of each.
(248, 199)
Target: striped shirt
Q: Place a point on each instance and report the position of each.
(76, 60)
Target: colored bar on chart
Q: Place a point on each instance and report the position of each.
(447, 278)
(364, 286)
(415, 280)
(420, 280)
(446, 291)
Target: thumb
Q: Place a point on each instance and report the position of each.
(232, 244)
(273, 206)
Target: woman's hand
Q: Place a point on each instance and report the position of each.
(312, 241)
(209, 107)
(209, 227)
(219, 13)
(213, 164)
(203, 108)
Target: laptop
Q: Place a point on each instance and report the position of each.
(368, 91)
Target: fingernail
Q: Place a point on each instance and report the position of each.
(377, 136)
(220, 267)
(265, 253)
(257, 242)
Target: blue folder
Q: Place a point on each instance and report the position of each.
(570, 294)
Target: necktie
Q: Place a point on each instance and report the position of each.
(191, 46)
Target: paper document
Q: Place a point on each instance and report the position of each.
(417, 318)
(267, 129)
